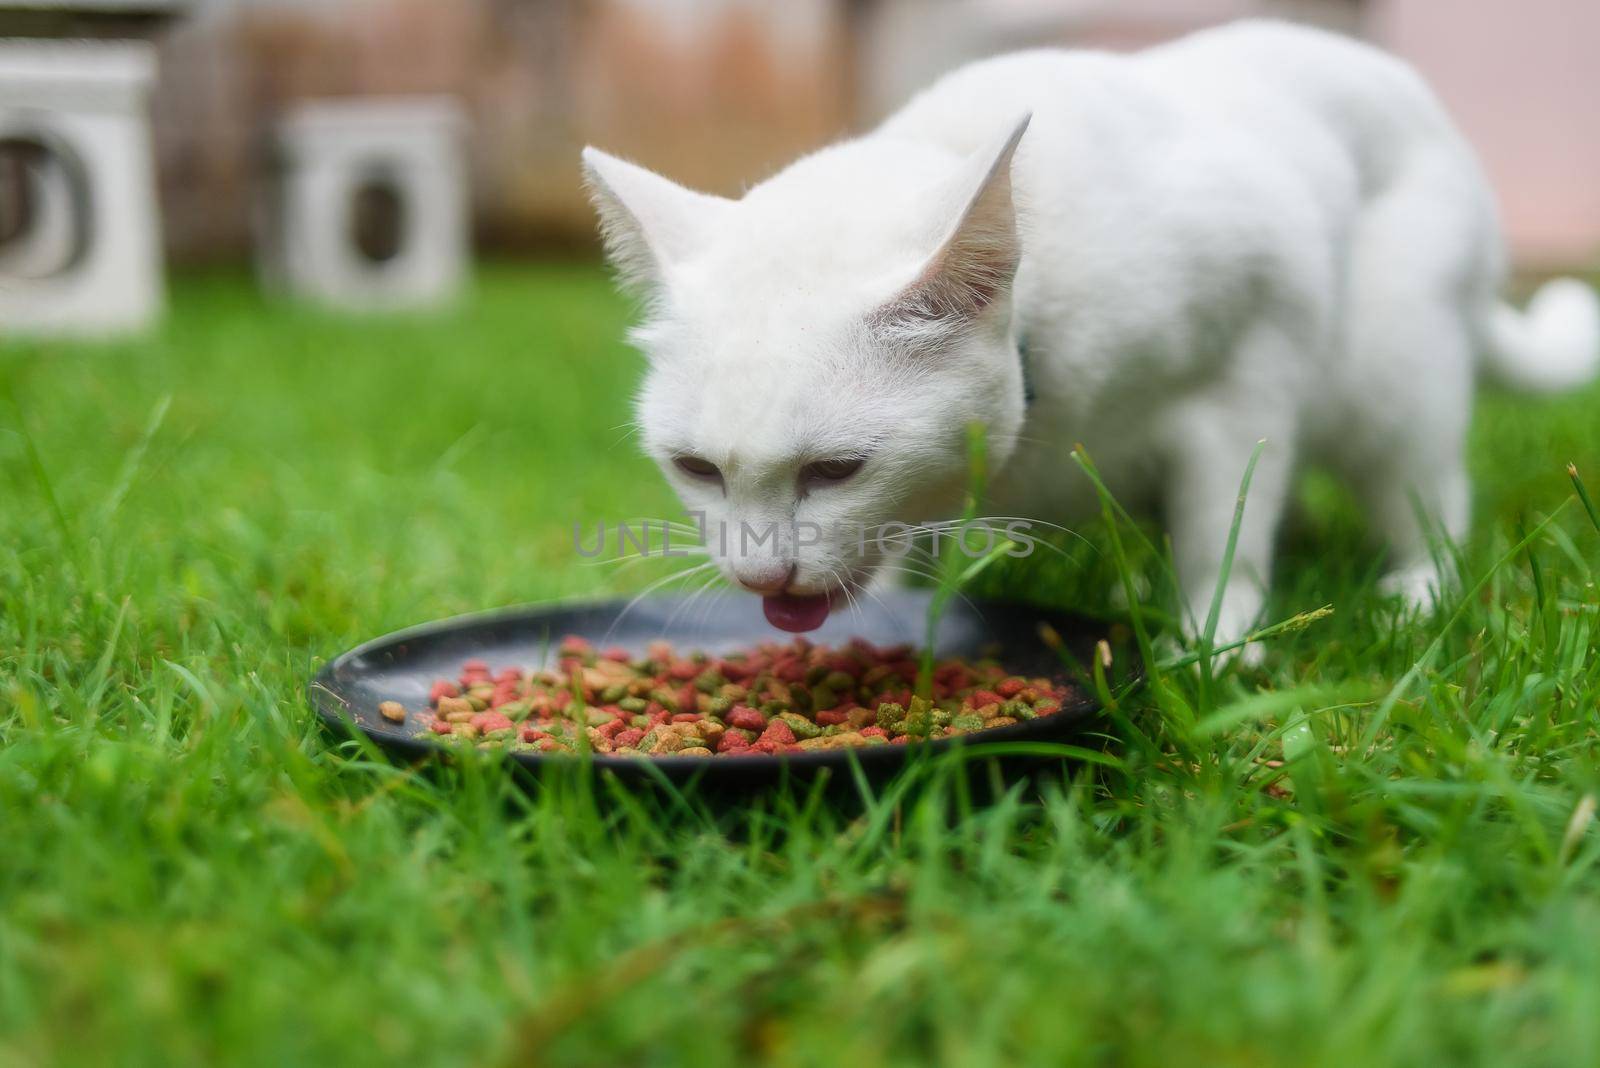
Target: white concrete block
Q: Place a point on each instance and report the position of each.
(395, 163)
(80, 251)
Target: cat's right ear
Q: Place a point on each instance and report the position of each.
(648, 223)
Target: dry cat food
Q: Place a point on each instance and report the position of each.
(775, 698)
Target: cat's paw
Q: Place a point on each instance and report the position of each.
(1241, 607)
(1419, 588)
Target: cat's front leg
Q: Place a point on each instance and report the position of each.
(1207, 461)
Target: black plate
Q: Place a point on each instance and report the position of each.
(403, 666)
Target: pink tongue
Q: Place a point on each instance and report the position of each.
(796, 614)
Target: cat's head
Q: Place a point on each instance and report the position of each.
(818, 348)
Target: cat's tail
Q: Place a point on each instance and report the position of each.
(1553, 345)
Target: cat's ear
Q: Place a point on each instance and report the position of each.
(647, 222)
(977, 258)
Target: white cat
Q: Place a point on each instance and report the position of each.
(1258, 232)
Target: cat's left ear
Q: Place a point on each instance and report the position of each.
(978, 256)
(648, 222)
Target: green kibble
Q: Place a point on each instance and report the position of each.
(633, 704)
(1018, 710)
(803, 728)
(596, 717)
(719, 705)
(968, 722)
(613, 694)
(640, 723)
(890, 714)
(709, 682)
(917, 721)
(816, 674)
(516, 711)
(823, 698)
(646, 742)
(773, 708)
(839, 680)
(665, 698)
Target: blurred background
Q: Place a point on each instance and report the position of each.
(719, 93)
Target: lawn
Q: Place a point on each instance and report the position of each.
(1377, 849)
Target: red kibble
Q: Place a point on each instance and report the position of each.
(443, 688)
(906, 669)
(1048, 706)
(731, 741)
(572, 645)
(982, 698)
(688, 698)
(625, 738)
(832, 717)
(1009, 688)
(441, 726)
(684, 670)
(873, 732)
(561, 699)
(746, 717)
(900, 739)
(661, 717)
(491, 721)
(616, 653)
(549, 745)
(509, 676)
(845, 663)
(790, 669)
(687, 717)
(778, 733)
(474, 666)
(502, 697)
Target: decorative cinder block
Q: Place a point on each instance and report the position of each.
(80, 244)
(367, 204)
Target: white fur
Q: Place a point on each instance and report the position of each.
(1258, 232)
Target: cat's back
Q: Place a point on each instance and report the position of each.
(1269, 90)
(1073, 95)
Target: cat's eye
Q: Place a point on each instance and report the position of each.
(832, 470)
(695, 467)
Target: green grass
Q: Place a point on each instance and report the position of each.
(191, 870)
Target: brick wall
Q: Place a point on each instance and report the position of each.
(716, 92)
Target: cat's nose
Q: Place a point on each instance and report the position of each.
(771, 578)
